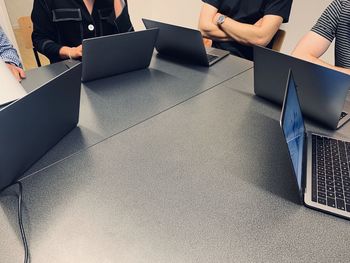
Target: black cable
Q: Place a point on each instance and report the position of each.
(20, 222)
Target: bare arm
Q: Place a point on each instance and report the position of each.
(311, 47)
(206, 25)
(261, 33)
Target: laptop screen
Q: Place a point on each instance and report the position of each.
(292, 123)
(10, 89)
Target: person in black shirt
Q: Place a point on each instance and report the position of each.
(61, 25)
(236, 25)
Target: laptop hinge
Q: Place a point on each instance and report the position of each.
(304, 166)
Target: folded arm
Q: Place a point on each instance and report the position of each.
(208, 28)
(260, 33)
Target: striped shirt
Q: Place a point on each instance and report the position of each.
(7, 52)
(335, 24)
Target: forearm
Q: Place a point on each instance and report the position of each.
(10, 56)
(312, 47)
(315, 60)
(208, 26)
(245, 33)
(46, 46)
(327, 65)
(71, 52)
(7, 52)
(212, 31)
(65, 52)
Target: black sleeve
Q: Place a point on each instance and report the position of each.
(214, 3)
(44, 35)
(279, 8)
(122, 22)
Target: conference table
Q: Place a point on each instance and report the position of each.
(175, 163)
(113, 105)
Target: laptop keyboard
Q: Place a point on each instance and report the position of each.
(330, 172)
(342, 115)
(211, 58)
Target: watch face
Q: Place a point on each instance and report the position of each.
(221, 19)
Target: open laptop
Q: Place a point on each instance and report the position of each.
(323, 91)
(10, 88)
(320, 163)
(184, 43)
(33, 124)
(115, 54)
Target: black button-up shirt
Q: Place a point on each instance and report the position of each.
(59, 23)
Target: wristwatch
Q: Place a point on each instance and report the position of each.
(221, 19)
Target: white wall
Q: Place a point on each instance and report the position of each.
(6, 24)
(18, 8)
(180, 12)
(139, 9)
(185, 12)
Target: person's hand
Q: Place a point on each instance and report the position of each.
(71, 52)
(16, 71)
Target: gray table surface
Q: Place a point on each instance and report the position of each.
(206, 181)
(112, 105)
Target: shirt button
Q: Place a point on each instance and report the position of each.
(91, 27)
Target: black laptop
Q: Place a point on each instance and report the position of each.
(184, 44)
(320, 163)
(116, 54)
(323, 91)
(32, 125)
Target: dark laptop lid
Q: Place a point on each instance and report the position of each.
(292, 124)
(116, 54)
(322, 91)
(35, 123)
(179, 42)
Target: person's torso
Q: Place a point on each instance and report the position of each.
(342, 37)
(245, 11)
(74, 23)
